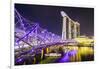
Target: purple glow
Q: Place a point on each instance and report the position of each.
(19, 60)
(28, 34)
(34, 31)
(66, 57)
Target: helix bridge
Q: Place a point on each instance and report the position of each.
(30, 38)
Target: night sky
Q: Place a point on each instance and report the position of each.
(49, 17)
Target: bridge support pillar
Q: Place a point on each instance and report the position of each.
(47, 50)
(43, 52)
(34, 61)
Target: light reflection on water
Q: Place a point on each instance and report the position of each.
(71, 54)
(83, 54)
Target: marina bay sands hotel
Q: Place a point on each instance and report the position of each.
(70, 28)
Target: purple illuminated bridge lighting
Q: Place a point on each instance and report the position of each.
(36, 44)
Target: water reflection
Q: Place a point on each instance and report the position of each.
(82, 53)
(65, 54)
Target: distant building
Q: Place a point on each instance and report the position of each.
(84, 40)
(70, 28)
